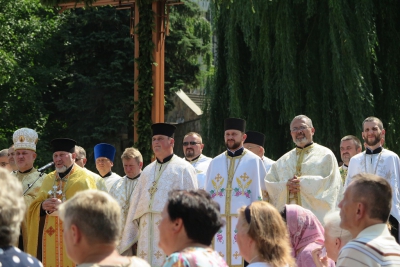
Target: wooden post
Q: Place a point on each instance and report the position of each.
(157, 114)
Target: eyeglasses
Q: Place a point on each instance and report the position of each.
(192, 143)
(3, 164)
(301, 128)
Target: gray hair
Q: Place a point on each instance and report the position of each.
(102, 215)
(356, 141)
(4, 153)
(12, 208)
(303, 117)
(332, 227)
(80, 152)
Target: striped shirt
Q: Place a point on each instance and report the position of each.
(374, 246)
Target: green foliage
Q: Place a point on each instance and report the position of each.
(334, 61)
(188, 41)
(145, 80)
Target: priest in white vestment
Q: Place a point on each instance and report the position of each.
(81, 160)
(308, 175)
(122, 190)
(104, 156)
(167, 172)
(377, 160)
(235, 178)
(350, 146)
(192, 149)
(255, 143)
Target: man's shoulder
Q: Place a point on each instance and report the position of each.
(389, 153)
(323, 149)
(204, 158)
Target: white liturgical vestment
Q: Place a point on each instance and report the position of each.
(234, 182)
(385, 164)
(147, 202)
(201, 165)
(320, 182)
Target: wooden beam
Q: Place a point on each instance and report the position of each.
(158, 37)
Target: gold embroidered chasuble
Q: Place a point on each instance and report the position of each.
(343, 173)
(53, 250)
(26, 179)
(320, 181)
(122, 191)
(385, 164)
(147, 202)
(234, 182)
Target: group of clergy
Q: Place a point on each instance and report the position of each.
(307, 175)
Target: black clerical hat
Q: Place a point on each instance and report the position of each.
(255, 138)
(163, 129)
(63, 144)
(235, 124)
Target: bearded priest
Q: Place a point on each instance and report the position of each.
(307, 175)
(45, 240)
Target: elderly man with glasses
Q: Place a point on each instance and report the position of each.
(193, 148)
(307, 175)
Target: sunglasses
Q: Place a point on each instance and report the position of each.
(192, 143)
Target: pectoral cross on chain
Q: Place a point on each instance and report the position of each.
(153, 189)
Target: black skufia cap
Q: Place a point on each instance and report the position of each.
(163, 129)
(235, 124)
(63, 144)
(255, 138)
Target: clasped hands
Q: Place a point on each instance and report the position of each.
(51, 204)
(293, 185)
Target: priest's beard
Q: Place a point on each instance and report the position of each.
(189, 153)
(301, 140)
(234, 146)
(373, 142)
(62, 169)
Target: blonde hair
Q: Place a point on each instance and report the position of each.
(95, 213)
(269, 231)
(132, 153)
(12, 208)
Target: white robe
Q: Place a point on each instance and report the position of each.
(246, 184)
(267, 163)
(145, 210)
(201, 166)
(110, 180)
(122, 191)
(320, 182)
(388, 167)
(100, 184)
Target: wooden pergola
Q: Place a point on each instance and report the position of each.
(158, 37)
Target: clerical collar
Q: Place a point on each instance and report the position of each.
(196, 158)
(137, 176)
(62, 175)
(26, 171)
(165, 159)
(235, 153)
(375, 151)
(305, 145)
(107, 174)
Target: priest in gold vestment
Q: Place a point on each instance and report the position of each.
(45, 240)
(307, 175)
(167, 172)
(25, 141)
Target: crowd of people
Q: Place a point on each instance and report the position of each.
(239, 208)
